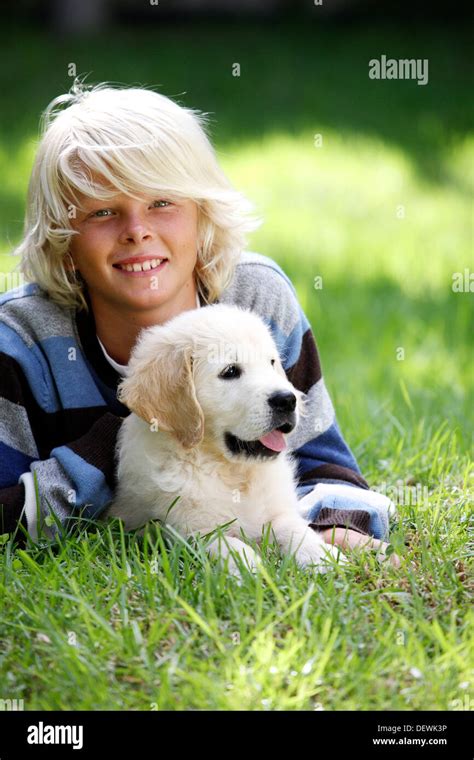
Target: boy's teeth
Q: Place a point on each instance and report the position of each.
(144, 267)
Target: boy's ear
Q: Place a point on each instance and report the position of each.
(161, 391)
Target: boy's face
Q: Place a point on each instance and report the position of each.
(124, 229)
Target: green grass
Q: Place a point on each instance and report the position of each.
(114, 621)
(107, 620)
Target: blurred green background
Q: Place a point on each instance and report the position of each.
(380, 206)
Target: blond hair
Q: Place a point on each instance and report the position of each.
(138, 142)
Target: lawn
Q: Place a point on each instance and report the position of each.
(370, 220)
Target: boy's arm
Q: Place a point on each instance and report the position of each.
(331, 489)
(323, 454)
(317, 442)
(76, 476)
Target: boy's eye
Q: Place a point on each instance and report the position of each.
(101, 212)
(104, 212)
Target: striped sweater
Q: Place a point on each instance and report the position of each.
(59, 414)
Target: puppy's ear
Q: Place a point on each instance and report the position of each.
(161, 391)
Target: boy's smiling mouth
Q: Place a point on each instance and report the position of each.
(141, 265)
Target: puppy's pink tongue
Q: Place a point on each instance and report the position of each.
(274, 440)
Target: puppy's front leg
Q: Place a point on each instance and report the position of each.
(295, 537)
(222, 547)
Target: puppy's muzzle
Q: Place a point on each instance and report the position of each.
(283, 405)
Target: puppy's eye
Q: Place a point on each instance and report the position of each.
(273, 362)
(231, 372)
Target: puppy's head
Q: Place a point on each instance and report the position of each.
(159, 385)
(214, 373)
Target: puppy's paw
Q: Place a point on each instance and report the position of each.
(249, 562)
(322, 557)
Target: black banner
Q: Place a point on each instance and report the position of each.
(384, 734)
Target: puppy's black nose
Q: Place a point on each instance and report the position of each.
(282, 401)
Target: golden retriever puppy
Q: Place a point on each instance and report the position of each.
(211, 411)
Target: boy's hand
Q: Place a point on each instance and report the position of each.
(350, 539)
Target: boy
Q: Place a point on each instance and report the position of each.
(130, 221)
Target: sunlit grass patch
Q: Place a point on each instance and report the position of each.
(355, 209)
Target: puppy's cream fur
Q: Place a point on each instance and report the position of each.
(172, 445)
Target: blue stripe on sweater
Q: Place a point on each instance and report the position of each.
(92, 490)
(77, 386)
(13, 463)
(289, 346)
(29, 289)
(31, 361)
(331, 449)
